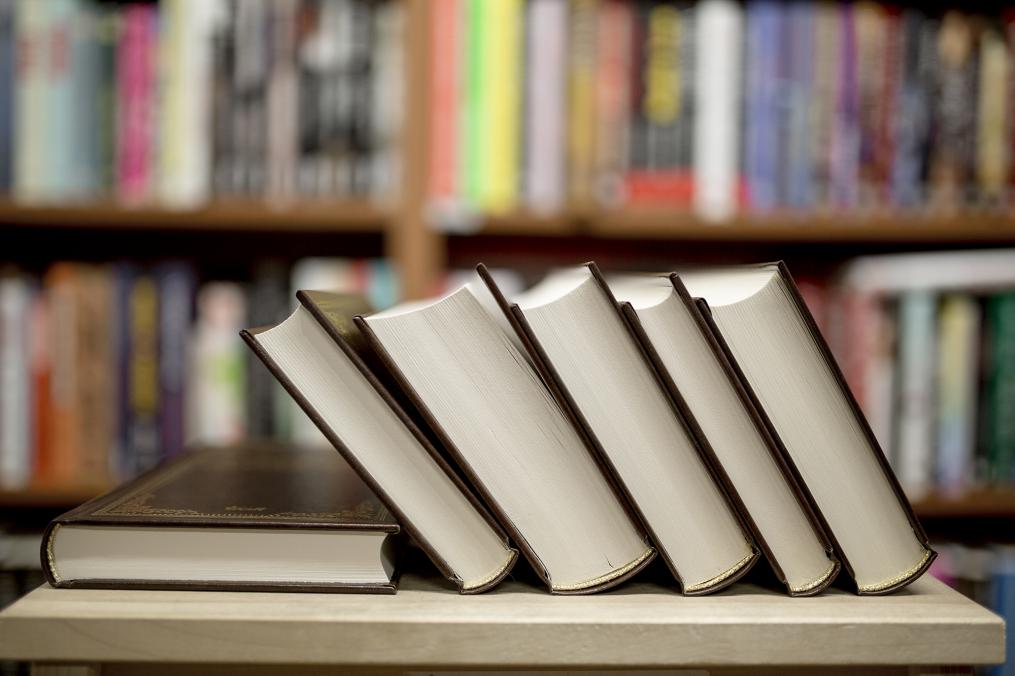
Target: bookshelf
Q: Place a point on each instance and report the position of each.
(427, 625)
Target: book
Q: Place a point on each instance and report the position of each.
(318, 356)
(16, 297)
(999, 430)
(958, 370)
(787, 364)
(460, 369)
(573, 332)
(252, 518)
(917, 345)
(502, 110)
(543, 174)
(716, 136)
(699, 375)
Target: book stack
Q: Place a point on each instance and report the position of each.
(589, 425)
(178, 101)
(718, 106)
(108, 369)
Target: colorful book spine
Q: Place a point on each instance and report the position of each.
(502, 60)
(761, 148)
(845, 166)
(135, 84)
(1000, 424)
(177, 286)
(474, 145)
(958, 363)
(445, 69)
(544, 172)
(8, 92)
(615, 26)
(31, 109)
(15, 382)
(581, 88)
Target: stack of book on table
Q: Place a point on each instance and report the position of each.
(590, 424)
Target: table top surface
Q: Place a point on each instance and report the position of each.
(428, 624)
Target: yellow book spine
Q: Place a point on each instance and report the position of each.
(502, 61)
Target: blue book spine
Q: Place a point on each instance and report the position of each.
(761, 142)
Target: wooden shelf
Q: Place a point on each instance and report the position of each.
(678, 225)
(427, 624)
(994, 503)
(353, 216)
(51, 496)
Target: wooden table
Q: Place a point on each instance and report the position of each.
(428, 626)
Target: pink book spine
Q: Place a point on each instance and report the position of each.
(135, 88)
(444, 64)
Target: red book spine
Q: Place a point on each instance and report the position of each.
(135, 95)
(673, 187)
(445, 64)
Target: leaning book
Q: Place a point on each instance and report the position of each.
(252, 517)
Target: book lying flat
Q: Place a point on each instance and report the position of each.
(770, 334)
(255, 518)
(574, 333)
(680, 344)
(318, 356)
(494, 414)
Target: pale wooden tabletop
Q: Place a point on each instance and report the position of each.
(426, 623)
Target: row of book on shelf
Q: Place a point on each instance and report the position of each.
(586, 425)
(107, 369)
(927, 343)
(178, 101)
(719, 105)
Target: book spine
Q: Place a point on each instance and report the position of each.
(613, 34)
(135, 75)
(717, 81)
(581, 78)
(917, 336)
(891, 80)
(1001, 389)
(913, 123)
(8, 93)
(760, 143)
(61, 282)
(502, 125)
(41, 366)
(445, 68)
(823, 89)
(143, 443)
(177, 284)
(870, 57)
(846, 133)
(387, 103)
(15, 382)
(796, 188)
(473, 143)
(32, 111)
(993, 145)
(952, 154)
(93, 390)
(282, 103)
(958, 375)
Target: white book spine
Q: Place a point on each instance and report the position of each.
(917, 324)
(15, 384)
(717, 83)
(546, 104)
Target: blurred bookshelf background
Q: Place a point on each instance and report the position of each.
(172, 171)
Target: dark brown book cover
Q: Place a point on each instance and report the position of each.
(516, 317)
(874, 445)
(516, 536)
(244, 487)
(771, 441)
(335, 313)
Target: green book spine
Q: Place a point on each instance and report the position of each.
(1001, 389)
(474, 144)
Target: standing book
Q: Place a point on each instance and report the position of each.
(573, 333)
(761, 317)
(251, 518)
(495, 415)
(317, 355)
(698, 375)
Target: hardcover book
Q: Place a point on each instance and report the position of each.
(319, 358)
(255, 518)
(574, 334)
(762, 320)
